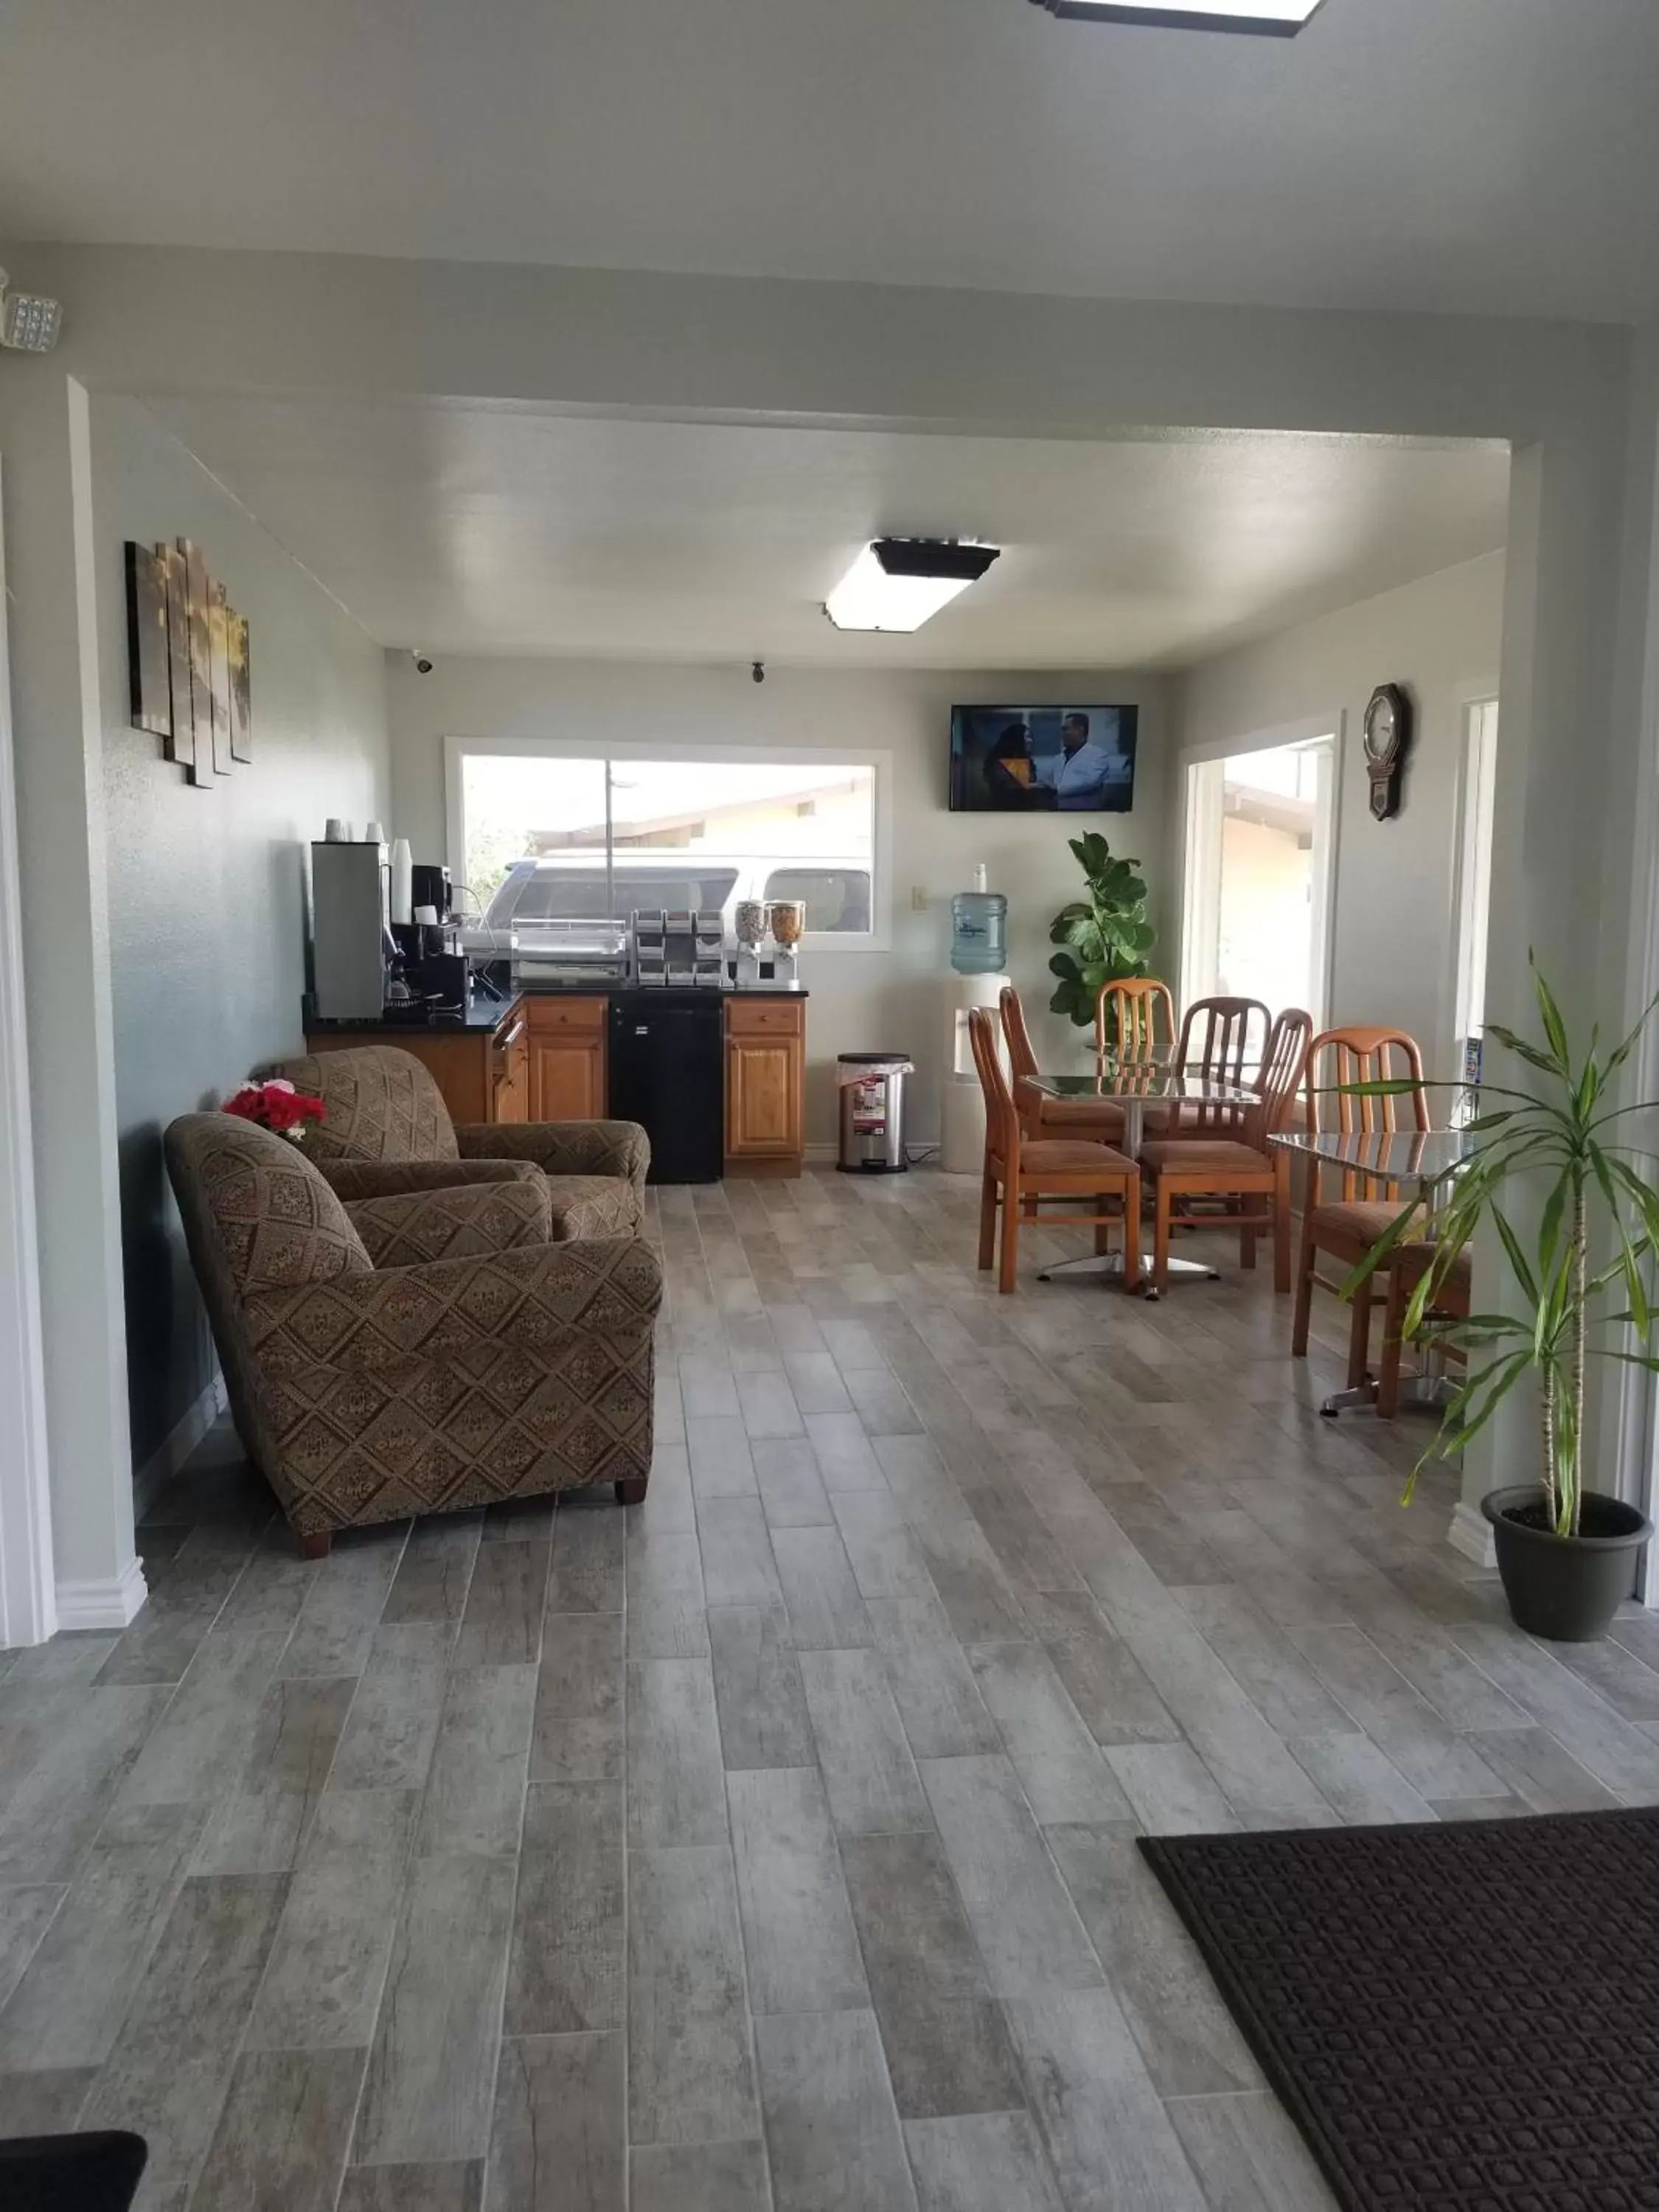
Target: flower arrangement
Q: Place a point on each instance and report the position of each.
(276, 1105)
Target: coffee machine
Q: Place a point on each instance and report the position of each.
(366, 967)
(430, 886)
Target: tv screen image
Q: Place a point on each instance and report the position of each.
(1069, 760)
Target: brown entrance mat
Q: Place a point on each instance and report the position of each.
(1464, 2016)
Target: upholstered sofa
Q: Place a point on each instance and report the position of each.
(385, 1116)
(415, 1352)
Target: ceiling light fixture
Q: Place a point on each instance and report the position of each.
(28, 320)
(1266, 19)
(899, 583)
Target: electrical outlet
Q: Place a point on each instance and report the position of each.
(918, 898)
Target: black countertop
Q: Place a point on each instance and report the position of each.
(484, 1014)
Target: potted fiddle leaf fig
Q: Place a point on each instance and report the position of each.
(1106, 934)
(1583, 1292)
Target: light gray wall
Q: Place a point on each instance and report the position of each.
(1393, 946)
(206, 887)
(862, 1001)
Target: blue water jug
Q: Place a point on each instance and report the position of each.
(979, 930)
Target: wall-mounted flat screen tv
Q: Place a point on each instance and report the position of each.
(1066, 760)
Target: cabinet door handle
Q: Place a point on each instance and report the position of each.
(506, 1044)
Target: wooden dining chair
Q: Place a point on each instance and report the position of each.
(1346, 1227)
(1225, 1040)
(1020, 1172)
(1130, 1012)
(1040, 1116)
(1451, 1300)
(1245, 1168)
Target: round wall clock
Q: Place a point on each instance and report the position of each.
(1387, 737)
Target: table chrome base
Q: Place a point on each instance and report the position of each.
(1111, 1264)
(1419, 1394)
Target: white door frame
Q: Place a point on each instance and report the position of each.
(1327, 849)
(29, 1612)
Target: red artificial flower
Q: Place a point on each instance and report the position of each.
(274, 1105)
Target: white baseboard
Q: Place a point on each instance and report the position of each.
(1470, 1533)
(110, 1604)
(176, 1447)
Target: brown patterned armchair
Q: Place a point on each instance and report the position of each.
(386, 1129)
(416, 1352)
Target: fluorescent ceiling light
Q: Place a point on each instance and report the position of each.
(899, 583)
(1272, 19)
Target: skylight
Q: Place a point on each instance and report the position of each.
(1272, 19)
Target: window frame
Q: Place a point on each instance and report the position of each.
(878, 937)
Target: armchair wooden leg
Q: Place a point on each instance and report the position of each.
(988, 1220)
(1011, 1209)
(632, 1493)
(317, 1546)
(1161, 1237)
(1247, 1242)
(1132, 1232)
(1305, 1283)
(1103, 1229)
(1282, 1227)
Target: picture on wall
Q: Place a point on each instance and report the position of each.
(181, 733)
(241, 689)
(1069, 760)
(188, 661)
(201, 662)
(147, 641)
(219, 676)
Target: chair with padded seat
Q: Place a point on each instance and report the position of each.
(1134, 1017)
(420, 1351)
(386, 1129)
(1246, 1169)
(1345, 1228)
(1039, 1114)
(1226, 1040)
(1020, 1172)
(1452, 1300)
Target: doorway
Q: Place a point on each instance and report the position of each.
(1258, 875)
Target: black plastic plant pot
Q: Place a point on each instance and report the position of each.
(1565, 1588)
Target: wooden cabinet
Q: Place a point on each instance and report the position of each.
(545, 1060)
(509, 1069)
(567, 1076)
(765, 1082)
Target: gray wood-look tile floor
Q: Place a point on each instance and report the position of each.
(771, 1844)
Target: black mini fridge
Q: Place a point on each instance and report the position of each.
(668, 1073)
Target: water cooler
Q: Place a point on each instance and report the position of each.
(979, 952)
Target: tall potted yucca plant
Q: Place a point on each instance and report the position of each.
(1583, 1292)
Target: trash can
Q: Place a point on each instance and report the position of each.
(872, 1086)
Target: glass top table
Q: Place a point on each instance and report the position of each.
(1421, 1159)
(1132, 1085)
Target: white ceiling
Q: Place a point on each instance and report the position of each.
(462, 529)
(1482, 155)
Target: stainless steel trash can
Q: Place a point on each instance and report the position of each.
(872, 1087)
